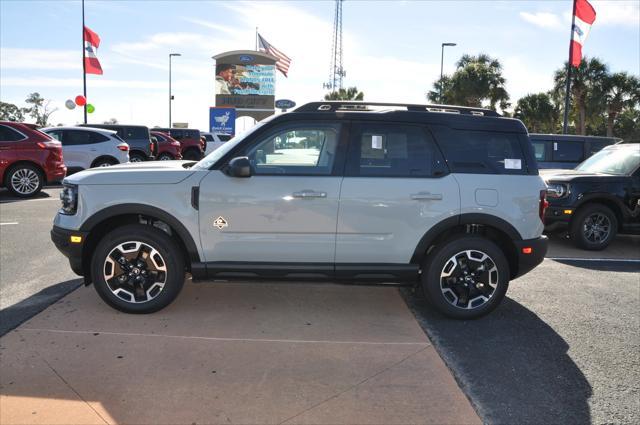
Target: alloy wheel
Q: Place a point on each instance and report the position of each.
(596, 228)
(469, 279)
(25, 181)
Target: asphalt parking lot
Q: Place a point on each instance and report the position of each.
(563, 348)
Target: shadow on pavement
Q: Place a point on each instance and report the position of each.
(6, 196)
(13, 316)
(604, 266)
(512, 365)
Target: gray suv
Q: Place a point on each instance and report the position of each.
(448, 197)
(137, 137)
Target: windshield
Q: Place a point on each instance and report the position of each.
(620, 161)
(206, 162)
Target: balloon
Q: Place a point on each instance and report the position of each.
(80, 100)
(70, 104)
(90, 108)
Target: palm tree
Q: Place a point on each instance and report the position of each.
(621, 91)
(538, 113)
(351, 93)
(477, 80)
(587, 89)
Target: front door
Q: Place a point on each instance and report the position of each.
(286, 211)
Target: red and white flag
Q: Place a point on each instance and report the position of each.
(91, 44)
(283, 62)
(584, 17)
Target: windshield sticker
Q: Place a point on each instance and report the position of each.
(512, 164)
(376, 142)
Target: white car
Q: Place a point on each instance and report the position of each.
(214, 140)
(84, 147)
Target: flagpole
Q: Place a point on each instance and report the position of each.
(567, 93)
(84, 69)
(256, 39)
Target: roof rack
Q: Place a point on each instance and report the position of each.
(355, 106)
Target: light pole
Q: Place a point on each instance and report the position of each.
(442, 64)
(170, 95)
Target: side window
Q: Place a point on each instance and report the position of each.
(8, 134)
(596, 146)
(296, 150)
(76, 137)
(193, 134)
(159, 137)
(56, 134)
(177, 134)
(540, 149)
(224, 137)
(481, 152)
(95, 137)
(393, 150)
(568, 151)
(136, 133)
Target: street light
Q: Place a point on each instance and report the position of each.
(170, 96)
(442, 64)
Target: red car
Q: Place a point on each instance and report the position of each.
(168, 147)
(29, 159)
(192, 147)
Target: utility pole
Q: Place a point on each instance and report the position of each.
(565, 122)
(170, 95)
(442, 65)
(84, 68)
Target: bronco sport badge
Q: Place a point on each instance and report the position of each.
(220, 223)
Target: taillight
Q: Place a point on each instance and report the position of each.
(123, 148)
(52, 144)
(151, 147)
(543, 204)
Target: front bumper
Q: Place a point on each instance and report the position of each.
(72, 250)
(557, 218)
(536, 248)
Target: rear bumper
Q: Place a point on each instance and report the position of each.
(61, 238)
(55, 175)
(527, 262)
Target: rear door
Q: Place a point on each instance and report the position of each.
(76, 148)
(396, 187)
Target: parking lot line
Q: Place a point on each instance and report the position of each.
(615, 260)
(9, 223)
(30, 200)
(292, 341)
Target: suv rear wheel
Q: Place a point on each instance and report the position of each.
(136, 157)
(466, 277)
(593, 227)
(137, 269)
(24, 180)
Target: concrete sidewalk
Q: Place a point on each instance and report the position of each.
(230, 353)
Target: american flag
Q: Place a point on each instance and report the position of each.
(283, 62)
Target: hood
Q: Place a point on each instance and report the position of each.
(150, 172)
(572, 175)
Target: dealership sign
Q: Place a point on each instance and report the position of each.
(285, 104)
(222, 120)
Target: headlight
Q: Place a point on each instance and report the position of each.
(557, 190)
(69, 198)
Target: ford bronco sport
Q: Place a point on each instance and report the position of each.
(344, 191)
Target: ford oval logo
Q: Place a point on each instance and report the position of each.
(246, 58)
(285, 104)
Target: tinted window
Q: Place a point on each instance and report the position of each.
(208, 137)
(136, 133)
(159, 137)
(540, 149)
(481, 152)
(568, 151)
(192, 134)
(393, 150)
(224, 137)
(177, 134)
(8, 134)
(596, 146)
(296, 150)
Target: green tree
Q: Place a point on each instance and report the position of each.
(538, 113)
(627, 125)
(351, 93)
(477, 80)
(39, 109)
(621, 91)
(587, 90)
(10, 112)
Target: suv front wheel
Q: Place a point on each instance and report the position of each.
(465, 277)
(137, 269)
(593, 227)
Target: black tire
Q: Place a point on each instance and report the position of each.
(165, 156)
(192, 155)
(170, 257)
(137, 157)
(104, 162)
(590, 223)
(443, 294)
(24, 180)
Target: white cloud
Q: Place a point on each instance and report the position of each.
(97, 82)
(542, 19)
(617, 12)
(12, 58)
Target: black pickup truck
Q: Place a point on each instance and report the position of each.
(597, 199)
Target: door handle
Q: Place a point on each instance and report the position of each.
(309, 194)
(426, 196)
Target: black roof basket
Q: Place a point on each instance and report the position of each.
(355, 106)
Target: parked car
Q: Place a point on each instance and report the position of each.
(168, 147)
(89, 147)
(598, 199)
(29, 159)
(192, 147)
(214, 140)
(449, 197)
(136, 136)
(564, 151)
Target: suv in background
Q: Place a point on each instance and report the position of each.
(28, 159)
(136, 136)
(88, 147)
(214, 140)
(192, 148)
(168, 147)
(598, 199)
(346, 191)
(564, 151)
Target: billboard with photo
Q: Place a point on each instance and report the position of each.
(245, 79)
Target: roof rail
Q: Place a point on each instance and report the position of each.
(355, 106)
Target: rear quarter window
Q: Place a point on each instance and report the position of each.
(568, 151)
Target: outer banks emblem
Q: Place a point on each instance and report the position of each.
(220, 223)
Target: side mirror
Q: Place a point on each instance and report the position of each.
(239, 167)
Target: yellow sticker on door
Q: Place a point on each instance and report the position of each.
(220, 223)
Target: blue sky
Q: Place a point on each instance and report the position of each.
(392, 49)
